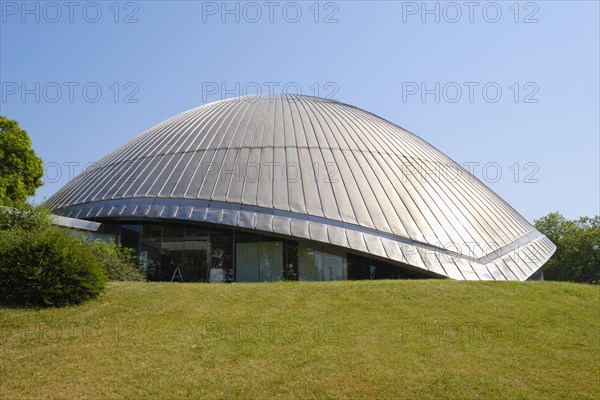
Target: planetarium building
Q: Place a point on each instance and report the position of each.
(268, 188)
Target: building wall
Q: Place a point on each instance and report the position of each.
(203, 253)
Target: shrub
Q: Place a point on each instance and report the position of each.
(47, 267)
(27, 218)
(120, 262)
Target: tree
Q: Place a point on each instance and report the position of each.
(577, 257)
(20, 168)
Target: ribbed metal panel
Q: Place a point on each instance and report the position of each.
(315, 169)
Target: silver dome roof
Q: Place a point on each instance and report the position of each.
(316, 169)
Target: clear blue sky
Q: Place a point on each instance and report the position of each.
(168, 56)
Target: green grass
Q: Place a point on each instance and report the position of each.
(383, 339)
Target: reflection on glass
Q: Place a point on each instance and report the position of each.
(332, 265)
(271, 260)
(196, 253)
(221, 265)
(130, 236)
(173, 253)
(291, 260)
(150, 251)
(199, 253)
(247, 257)
(307, 266)
(323, 264)
(259, 258)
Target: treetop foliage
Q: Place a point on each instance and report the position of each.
(21, 169)
(577, 257)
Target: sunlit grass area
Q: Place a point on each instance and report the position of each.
(369, 339)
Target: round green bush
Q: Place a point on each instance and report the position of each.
(119, 262)
(47, 268)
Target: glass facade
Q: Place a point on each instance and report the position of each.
(321, 263)
(258, 258)
(196, 253)
(201, 253)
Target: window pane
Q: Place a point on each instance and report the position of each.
(383, 270)
(404, 273)
(150, 251)
(247, 256)
(271, 261)
(292, 260)
(221, 266)
(323, 264)
(333, 265)
(172, 253)
(196, 253)
(308, 269)
(130, 236)
(358, 267)
(247, 268)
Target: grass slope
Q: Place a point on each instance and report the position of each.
(383, 339)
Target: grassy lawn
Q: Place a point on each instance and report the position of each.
(377, 339)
